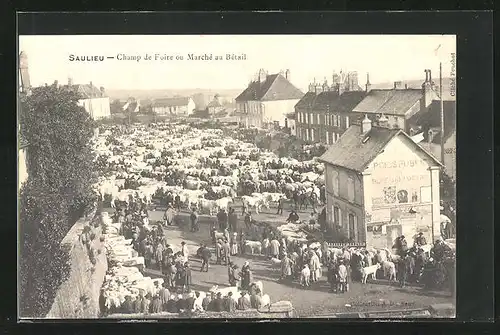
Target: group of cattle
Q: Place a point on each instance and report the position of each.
(202, 168)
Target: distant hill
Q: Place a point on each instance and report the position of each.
(168, 93)
(418, 84)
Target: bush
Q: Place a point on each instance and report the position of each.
(57, 193)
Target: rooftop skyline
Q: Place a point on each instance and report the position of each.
(386, 58)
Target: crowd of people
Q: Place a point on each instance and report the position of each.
(165, 299)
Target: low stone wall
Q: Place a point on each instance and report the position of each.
(78, 297)
(248, 314)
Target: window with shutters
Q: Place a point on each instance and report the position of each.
(350, 189)
(347, 121)
(336, 216)
(335, 182)
(352, 227)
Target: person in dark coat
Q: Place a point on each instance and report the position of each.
(230, 303)
(194, 221)
(205, 258)
(222, 219)
(420, 240)
(218, 303)
(293, 217)
(207, 301)
(246, 276)
(243, 240)
(128, 305)
(281, 202)
(172, 305)
(248, 220)
(243, 302)
(138, 304)
(187, 277)
(181, 303)
(233, 220)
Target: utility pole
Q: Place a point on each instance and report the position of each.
(441, 109)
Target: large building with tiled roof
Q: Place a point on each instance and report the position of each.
(267, 100)
(322, 114)
(94, 100)
(380, 185)
(397, 104)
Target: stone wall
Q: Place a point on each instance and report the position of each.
(248, 314)
(78, 297)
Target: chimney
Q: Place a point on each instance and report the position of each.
(325, 86)
(103, 92)
(262, 76)
(430, 77)
(426, 99)
(368, 85)
(56, 83)
(406, 86)
(312, 87)
(383, 121)
(398, 85)
(340, 88)
(287, 74)
(366, 125)
(70, 81)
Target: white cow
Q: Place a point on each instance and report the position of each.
(254, 202)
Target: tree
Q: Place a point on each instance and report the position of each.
(57, 192)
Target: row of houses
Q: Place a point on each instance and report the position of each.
(382, 170)
(326, 111)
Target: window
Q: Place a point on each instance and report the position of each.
(336, 216)
(312, 134)
(347, 121)
(350, 189)
(335, 179)
(327, 138)
(352, 227)
(317, 118)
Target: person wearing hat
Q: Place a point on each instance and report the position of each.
(218, 303)
(205, 258)
(243, 302)
(186, 277)
(420, 240)
(218, 251)
(230, 304)
(233, 220)
(194, 221)
(246, 276)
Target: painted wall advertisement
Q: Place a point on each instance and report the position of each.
(400, 182)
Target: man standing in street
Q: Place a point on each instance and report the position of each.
(205, 256)
(280, 205)
(194, 221)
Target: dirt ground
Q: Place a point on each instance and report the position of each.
(315, 300)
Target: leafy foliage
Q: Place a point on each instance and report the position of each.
(57, 192)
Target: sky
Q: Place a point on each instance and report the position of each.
(386, 58)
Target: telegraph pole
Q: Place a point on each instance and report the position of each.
(441, 109)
